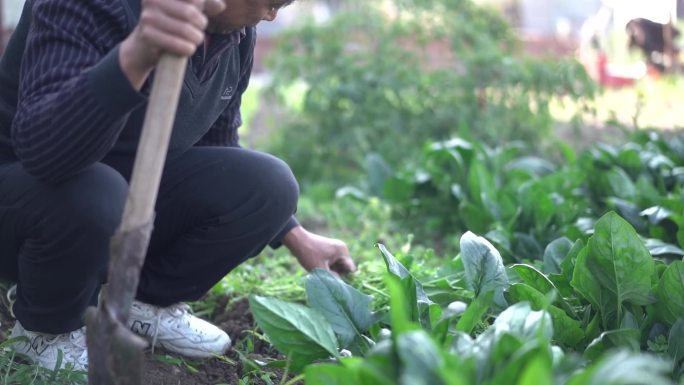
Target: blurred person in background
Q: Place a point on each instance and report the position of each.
(649, 37)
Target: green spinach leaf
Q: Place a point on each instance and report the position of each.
(620, 261)
(302, 333)
(484, 268)
(347, 309)
(670, 293)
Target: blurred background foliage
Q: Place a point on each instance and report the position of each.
(380, 79)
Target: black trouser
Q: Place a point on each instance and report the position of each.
(216, 208)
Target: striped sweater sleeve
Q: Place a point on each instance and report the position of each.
(74, 98)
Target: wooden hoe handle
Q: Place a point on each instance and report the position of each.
(114, 352)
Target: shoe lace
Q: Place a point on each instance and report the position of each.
(78, 338)
(74, 343)
(177, 311)
(11, 299)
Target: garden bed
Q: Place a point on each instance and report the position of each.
(232, 315)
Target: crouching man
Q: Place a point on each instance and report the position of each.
(74, 83)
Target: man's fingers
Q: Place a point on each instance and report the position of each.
(169, 43)
(161, 22)
(334, 273)
(351, 266)
(214, 7)
(344, 265)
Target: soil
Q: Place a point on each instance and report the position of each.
(233, 316)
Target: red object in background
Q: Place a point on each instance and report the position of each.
(608, 79)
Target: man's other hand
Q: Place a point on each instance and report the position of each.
(316, 251)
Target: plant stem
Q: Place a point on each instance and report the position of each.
(375, 290)
(286, 371)
(295, 379)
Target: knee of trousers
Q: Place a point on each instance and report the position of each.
(91, 203)
(279, 187)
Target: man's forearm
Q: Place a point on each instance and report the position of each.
(71, 104)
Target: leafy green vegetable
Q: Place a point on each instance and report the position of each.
(532, 165)
(395, 267)
(621, 184)
(656, 214)
(403, 308)
(330, 374)
(568, 263)
(536, 279)
(566, 330)
(420, 358)
(621, 338)
(675, 342)
(294, 329)
(347, 309)
(670, 293)
(481, 183)
(634, 369)
(657, 248)
(484, 269)
(511, 365)
(585, 283)
(614, 268)
(521, 321)
(562, 280)
(555, 253)
(376, 369)
(620, 261)
(474, 312)
(537, 371)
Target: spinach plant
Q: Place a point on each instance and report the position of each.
(591, 305)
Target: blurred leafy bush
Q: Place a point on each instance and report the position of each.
(385, 77)
(522, 203)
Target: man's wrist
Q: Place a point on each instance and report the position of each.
(135, 71)
(294, 237)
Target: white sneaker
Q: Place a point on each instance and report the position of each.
(176, 330)
(43, 349)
